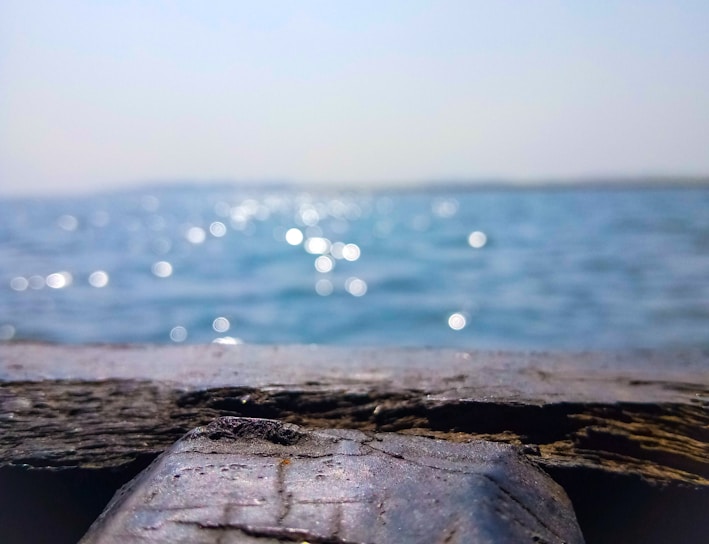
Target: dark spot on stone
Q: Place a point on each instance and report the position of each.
(232, 428)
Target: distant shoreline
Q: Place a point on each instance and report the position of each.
(433, 185)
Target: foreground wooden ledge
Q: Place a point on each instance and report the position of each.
(581, 417)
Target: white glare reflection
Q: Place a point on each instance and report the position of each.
(56, 281)
(317, 245)
(6, 332)
(217, 229)
(162, 269)
(68, 222)
(294, 236)
(195, 235)
(228, 340)
(323, 287)
(59, 280)
(351, 252)
(324, 264)
(221, 324)
(457, 321)
(477, 239)
(19, 283)
(178, 334)
(98, 279)
(356, 287)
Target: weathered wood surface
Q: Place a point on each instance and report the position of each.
(643, 414)
(257, 480)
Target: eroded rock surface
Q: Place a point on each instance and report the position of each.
(256, 480)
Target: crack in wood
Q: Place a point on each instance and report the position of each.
(66, 423)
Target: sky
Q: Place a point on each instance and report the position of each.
(97, 94)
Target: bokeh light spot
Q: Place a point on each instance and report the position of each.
(195, 235)
(19, 283)
(7, 332)
(178, 334)
(221, 324)
(294, 236)
(445, 207)
(68, 222)
(457, 321)
(317, 245)
(477, 239)
(356, 287)
(324, 287)
(162, 269)
(99, 278)
(217, 229)
(59, 280)
(324, 264)
(351, 252)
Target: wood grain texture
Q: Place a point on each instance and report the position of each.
(643, 414)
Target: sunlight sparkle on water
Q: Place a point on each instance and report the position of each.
(457, 321)
(19, 283)
(445, 207)
(227, 340)
(356, 287)
(7, 332)
(294, 236)
(178, 334)
(324, 287)
(324, 264)
(68, 222)
(99, 278)
(217, 229)
(477, 239)
(162, 269)
(317, 245)
(195, 235)
(351, 252)
(221, 324)
(59, 280)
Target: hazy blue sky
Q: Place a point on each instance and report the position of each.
(98, 93)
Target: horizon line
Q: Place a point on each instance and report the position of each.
(433, 183)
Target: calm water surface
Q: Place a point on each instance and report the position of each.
(512, 269)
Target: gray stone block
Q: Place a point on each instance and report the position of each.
(257, 480)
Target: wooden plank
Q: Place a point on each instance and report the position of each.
(103, 406)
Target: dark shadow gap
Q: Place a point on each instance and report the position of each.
(625, 509)
(57, 505)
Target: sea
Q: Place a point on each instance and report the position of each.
(543, 268)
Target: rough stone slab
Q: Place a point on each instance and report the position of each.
(256, 480)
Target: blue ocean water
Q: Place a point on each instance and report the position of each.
(544, 268)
